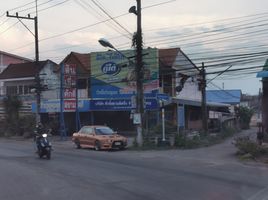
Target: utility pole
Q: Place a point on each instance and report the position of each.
(204, 99)
(37, 77)
(139, 75)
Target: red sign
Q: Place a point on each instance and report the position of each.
(69, 105)
(69, 93)
(70, 69)
(69, 81)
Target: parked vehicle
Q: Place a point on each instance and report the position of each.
(44, 146)
(99, 137)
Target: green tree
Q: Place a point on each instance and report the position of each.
(12, 105)
(244, 115)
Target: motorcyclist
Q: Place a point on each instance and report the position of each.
(39, 131)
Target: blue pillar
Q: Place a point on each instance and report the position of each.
(62, 122)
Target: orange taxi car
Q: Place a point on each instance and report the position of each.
(98, 137)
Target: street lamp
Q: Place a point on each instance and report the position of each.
(106, 43)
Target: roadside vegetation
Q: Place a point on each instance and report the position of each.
(248, 149)
(13, 124)
(244, 115)
(182, 139)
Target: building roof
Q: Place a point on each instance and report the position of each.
(265, 67)
(175, 59)
(167, 57)
(199, 103)
(264, 72)
(224, 96)
(15, 56)
(82, 58)
(22, 70)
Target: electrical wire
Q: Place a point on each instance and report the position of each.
(86, 6)
(114, 20)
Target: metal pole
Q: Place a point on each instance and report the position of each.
(139, 75)
(62, 122)
(163, 122)
(77, 115)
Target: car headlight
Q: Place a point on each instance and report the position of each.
(108, 141)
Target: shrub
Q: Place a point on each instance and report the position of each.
(246, 146)
(27, 125)
(182, 141)
(244, 114)
(170, 128)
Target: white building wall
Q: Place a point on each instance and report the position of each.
(52, 80)
(189, 91)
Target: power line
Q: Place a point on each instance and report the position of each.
(85, 5)
(114, 20)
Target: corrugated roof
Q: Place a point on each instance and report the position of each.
(22, 70)
(16, 56)
(82, 58)
(224, 96)
(167, 57)
(176, 59)
(262, 74)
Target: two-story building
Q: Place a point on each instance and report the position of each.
(20, 80)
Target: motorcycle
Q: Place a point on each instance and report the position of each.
(44, 146)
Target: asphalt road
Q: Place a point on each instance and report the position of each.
(202, 174)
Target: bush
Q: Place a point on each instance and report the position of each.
(182, 141)
(27, 125)
(170, 128)
(226, 132)
(244, 114)
(246, 146)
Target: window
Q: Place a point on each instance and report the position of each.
(81, 83)
(86, 130)
(18, 90)
(11, 90)
(26, 89)
(21, 89)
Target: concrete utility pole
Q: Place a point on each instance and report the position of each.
(37, 77)
(139, 75)
(204, 99)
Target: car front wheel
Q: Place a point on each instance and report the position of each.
(97, 146)
(77, 144)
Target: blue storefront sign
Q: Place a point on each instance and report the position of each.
(119, 104)
(53, 106)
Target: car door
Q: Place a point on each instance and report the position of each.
(89, 137)
(82, 135)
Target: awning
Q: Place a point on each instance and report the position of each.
(262, 74)
(198, 103)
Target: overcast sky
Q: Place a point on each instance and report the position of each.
(221, 33)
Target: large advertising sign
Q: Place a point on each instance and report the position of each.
(113, 75)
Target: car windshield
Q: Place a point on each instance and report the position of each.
(104, 131)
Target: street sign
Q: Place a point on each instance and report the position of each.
(137, 118)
